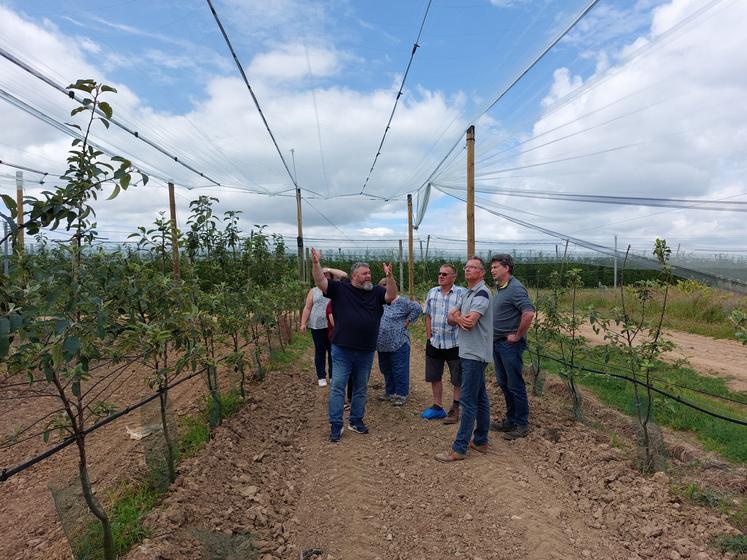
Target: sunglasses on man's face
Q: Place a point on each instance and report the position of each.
(443, 273)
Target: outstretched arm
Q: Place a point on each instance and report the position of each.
(391, 284)
(316, 271)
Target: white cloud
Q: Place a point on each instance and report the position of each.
(296, 61)
(377, 231)
(673, 121)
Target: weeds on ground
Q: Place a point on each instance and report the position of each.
(129, 503)
(730, 440)
(736, 544)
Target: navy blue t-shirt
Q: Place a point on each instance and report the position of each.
(357, 314)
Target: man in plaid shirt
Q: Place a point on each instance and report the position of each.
(442, 346)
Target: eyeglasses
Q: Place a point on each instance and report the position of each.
(443, 273)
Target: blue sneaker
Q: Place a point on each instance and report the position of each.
(433, 412)
(358, 427)
(336, 433)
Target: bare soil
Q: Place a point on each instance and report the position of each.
(562, 493)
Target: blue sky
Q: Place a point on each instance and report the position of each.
(633, 78)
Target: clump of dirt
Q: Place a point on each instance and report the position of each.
(563, 492)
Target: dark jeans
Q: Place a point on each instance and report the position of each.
(509, 367)
(474, 405)
(355, 366)
(322, 350)
(395, 366)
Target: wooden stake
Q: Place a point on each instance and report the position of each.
(401, 268)
(299, 239)
(174, 233)
(410, 251)
(19, 216)
(470, 191)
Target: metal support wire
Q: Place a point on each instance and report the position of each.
(251, 91)
(399, 94)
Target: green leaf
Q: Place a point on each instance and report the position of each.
(16, 321)
(106, 109)
(105, 122)
(125, 181)
(75, 388)
(77, 110)
(10, 204)
(70, 347)
(114, 194)
(45, 436)
(104, 88)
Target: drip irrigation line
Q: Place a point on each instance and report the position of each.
(5, 474)
(516, 80)
(678, 385)
(251, 92)
(415, 47)
(675, 398)
(72, 95)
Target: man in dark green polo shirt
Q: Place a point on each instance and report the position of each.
(512, 315)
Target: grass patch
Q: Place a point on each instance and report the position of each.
(731, 543)
(691, 307)
(129, 503)
(288, 355)
(730, 440)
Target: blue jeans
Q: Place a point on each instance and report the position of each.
(322, 350)
(474, 405)
(354, 365)
(396, 369)
(509, 366)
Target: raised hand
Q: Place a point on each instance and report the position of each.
(387, 269)
(315, 255)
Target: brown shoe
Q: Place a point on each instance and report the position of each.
(452, 417)
(481, 448)
(450, 456)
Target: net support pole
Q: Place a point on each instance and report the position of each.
(614, 281)
(174, 233)
(401, 267)
(410, 251)
(471, 191)
(19, 215)
(299, 238)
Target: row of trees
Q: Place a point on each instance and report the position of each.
(73, 318)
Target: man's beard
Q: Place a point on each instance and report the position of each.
(368, 286)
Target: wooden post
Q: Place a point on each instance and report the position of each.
(19, 216)
(308, 267)
(401, 268)
(299, 239)
(470, 191)
(174, 233)
(410, 251)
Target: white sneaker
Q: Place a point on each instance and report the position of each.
(322, 382)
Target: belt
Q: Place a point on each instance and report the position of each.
(499, 338)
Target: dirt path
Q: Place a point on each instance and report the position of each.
(723, 358)
(562, 493)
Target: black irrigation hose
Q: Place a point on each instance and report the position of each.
(678, 385)
(650, 387)
(5, 474)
